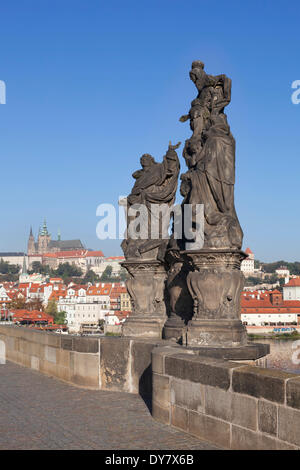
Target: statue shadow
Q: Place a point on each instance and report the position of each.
(145, 387)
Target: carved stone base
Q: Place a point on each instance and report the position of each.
(175, 329)
(224, 333)
(180, 302)
(247, 352)
(143, 327)
(215, 286)
(146, 288)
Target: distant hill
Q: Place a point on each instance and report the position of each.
(294, 268)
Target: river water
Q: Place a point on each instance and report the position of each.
(284, 354)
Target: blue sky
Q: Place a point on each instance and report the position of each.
(92, 85)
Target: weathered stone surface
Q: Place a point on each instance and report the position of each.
(143, 327)
(289, 425)
(159, 354)
(51, 339)
(35, 363)
(210, 429)
(86, 345)
(50, 354)
(218, 403)
(293, 392)
(261, 383)
(141, 368)
(206, 371)
(161, 398)
(161, 390)
(63, 358)
(244, 411)
(160, 413)
(267, 417)
(187, 394)
(115, 363)
(231, 407)
(67, 342)
(244, 439)
(47, 367)
(248, 352)
(179, 417)
(85, 369)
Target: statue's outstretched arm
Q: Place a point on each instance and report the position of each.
(173, 147)
(184, 118)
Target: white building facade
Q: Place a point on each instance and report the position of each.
(247, 265)
(291, 290)
(272, 319)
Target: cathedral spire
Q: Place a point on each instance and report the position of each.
(58, 235)
(45, 230)
(24, 268)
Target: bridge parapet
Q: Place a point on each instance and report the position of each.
(235, 405)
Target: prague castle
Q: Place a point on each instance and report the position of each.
(44, 244)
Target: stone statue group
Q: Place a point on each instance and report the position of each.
(166, 279)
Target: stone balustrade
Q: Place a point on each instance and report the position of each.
(231, 404)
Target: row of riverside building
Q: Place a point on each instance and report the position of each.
(83, 304)
(110, 302)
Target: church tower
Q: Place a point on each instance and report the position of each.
(31, 244)
(44, 239)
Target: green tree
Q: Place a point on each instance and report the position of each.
(4, 267)
(36, 267)
(68, 270)
(60, 318)
(51, 308)
(90, 276)
(106, 275)
(253, 281)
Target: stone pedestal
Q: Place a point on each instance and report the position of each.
(215, 286)
(146, 288)
(180, 302)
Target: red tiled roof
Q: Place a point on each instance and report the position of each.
(34, 315)
(262, 303)
(93, 290)
(295, 282)
(94, 253)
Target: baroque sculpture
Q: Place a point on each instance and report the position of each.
(216, 281)
(196, 280)
(155, 187)
(210, 157)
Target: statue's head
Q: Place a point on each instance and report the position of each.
(146, 160)
(197, 68)
(197, 64)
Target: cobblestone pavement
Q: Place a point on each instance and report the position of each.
(40, 412)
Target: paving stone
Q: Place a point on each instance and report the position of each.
(60, 416)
